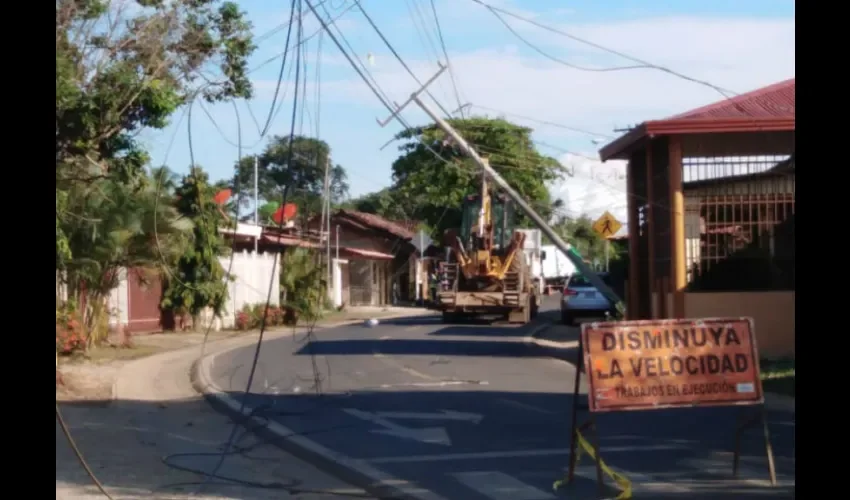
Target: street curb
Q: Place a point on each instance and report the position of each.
(355, 472)
(403, 314)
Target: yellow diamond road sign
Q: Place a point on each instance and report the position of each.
(607, 225)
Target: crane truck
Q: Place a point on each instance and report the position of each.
(487, 271)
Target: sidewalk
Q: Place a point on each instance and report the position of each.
(561, 342)
(134, 413)
(156, 412)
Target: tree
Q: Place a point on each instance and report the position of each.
(424, 186)
(109, 226)
(302, 283)
(579, 232)
(124, 66)
(385, 203)
(198, 280)
(304, 174)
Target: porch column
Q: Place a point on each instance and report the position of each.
(678, 265)
(650, 287)
(632, 300)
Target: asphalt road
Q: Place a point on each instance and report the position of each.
(474, 412)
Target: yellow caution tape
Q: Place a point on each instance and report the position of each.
(622, 481)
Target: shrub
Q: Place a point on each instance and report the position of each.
(244, 321)
(70, 334)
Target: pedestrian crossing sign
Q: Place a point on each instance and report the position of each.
(607, 225)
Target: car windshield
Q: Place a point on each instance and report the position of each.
(577, 280)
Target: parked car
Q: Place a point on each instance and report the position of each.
(582, 300)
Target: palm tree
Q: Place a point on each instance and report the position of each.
(112, 225)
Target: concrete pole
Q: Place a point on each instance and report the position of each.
(256, 200)
(534, 216)
(325, 217)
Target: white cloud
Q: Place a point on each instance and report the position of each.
(593, 188)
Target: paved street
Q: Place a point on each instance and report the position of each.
(475, 412)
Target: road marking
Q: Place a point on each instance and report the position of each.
(474, 418)
(430, 435)
(525, 406)
(443, 383)
(410, 371)
(500, 486)
(485, 455)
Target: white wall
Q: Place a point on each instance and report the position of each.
(118, 301)
(252, 273)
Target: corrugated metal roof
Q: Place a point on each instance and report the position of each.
(773, 101)
(378, 222)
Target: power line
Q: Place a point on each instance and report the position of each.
(280, 73)
(446, 54)
(396, 54)
(495, 10)
(543, 122)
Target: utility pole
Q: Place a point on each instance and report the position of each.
(256, 199)
(325, 223)
(565, 247)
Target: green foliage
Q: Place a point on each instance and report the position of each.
(303, 285)
(578, 231)
(125, 66)
(385, 203)
(198, 280)
(305, 175)
(107, 225)
(424, 185)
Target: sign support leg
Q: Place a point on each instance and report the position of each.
(594, 442)
(743, 425)
(574, 424)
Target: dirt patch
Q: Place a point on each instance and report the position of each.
(86, 382)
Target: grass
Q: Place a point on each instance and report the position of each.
(778, 376)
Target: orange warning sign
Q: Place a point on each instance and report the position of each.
(642, 365)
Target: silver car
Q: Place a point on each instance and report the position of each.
(583, 300)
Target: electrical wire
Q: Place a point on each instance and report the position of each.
(397, 56)
(262, 332)
(448, 60)
(642, 63)
(543, 122)
(280, 73)
(79, 454)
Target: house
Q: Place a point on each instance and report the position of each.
(711, 207)
(373, 259)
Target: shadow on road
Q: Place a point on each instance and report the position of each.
(669, 447)
(420, 347)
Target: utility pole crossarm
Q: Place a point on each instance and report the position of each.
(413, 96)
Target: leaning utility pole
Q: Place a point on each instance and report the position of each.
(565, 247)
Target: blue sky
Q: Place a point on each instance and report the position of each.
(737, 45)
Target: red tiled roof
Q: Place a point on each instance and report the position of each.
(777, 100)
(769, 109)
(378, 222)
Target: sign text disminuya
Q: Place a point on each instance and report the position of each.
(635, 365)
